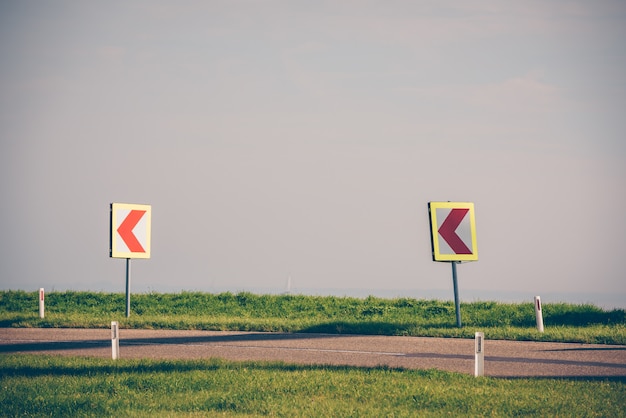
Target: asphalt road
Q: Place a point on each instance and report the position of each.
(502, 358)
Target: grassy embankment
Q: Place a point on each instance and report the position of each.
(327, 314)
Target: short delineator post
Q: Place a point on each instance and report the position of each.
(538, 314)
(479, 354)
(115, 340)
(41, 303)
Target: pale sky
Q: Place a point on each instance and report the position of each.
(304, 139)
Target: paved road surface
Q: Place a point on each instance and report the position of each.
(502, 358)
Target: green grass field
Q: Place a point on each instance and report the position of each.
(327, 314)
(63, 387)
(72, 386)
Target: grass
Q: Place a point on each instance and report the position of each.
(328, 314)
(76, 386)
(73, 386)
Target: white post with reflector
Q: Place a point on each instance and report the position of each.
(538, 314)
(41, 303)
(479, 354)
(115, 340)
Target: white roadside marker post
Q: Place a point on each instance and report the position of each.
(479, 354)
(41, 303)
(538, 314)
(115, 340)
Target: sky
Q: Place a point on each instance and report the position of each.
(302, 141)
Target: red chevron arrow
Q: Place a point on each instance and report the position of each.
(448, 231)
(126, 231)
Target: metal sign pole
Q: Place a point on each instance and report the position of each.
(127, 287)
(457, 304)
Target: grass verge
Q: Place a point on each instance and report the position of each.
(77, 386)
(328, 314)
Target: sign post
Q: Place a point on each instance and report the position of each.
(453, 238)
(130, 236)
(457, 302)
(127, 287)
